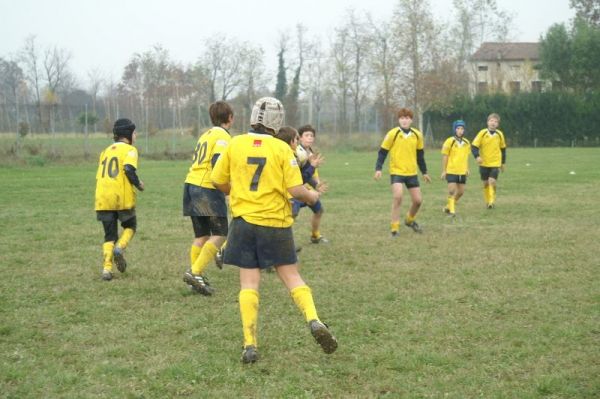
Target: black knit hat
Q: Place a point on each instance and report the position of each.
(123, 128)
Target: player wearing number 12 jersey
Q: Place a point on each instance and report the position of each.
(258, 171)
(204, 204)
(115, 195)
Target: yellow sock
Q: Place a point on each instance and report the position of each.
(486, 195)
(126, 236)
(451, 204)
(410, 218)
(207, 254)
(194, 253)
(303, 298)
(249, 312)
(316, 234)
(395, 226)
(107, 255)
(491, 194)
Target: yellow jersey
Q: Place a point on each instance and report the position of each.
(260, 169)
(490, 146)
(213, 142)
(114, 191)
(403, 148)
(458, 155)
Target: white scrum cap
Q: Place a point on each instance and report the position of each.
(268, 111)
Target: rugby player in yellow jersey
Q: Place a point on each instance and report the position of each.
(489, 149)
(115, 195)
(312, 160)
(258, 171)
(204, 204)
(455, 165)
(405, 146)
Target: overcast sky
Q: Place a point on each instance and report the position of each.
(105, 34)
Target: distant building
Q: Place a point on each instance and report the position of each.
(506, 67)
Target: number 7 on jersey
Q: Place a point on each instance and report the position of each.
(260, 162)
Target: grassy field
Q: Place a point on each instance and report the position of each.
(493, 304)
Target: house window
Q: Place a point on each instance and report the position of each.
(482, 68)
(482, 88)
(515, 87)
(536, 86)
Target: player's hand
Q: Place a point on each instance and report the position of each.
(479, 160)
(322, 187)
(316, 160)
(468, 172)
(443, 176)
(427, 178)
(502, 167)
(141, 187)
(377, 175)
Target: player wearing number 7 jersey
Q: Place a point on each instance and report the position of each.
(258, 171)
(115, 195)
(204, 204)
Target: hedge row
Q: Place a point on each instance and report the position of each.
(528, 119)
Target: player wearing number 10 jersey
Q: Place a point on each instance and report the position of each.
(115, 194)
(204, 204)
(258, 171)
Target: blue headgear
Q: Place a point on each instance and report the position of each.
(458, 123)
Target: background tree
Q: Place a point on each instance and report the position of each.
(359, 48)
(291, 99)
(30, 59)
(586, 55)
(11, 85)
(281, 83)
(587, 10)
(342, 72)
(556, 54)
(415, 31)
(384, 62)
(96, 80)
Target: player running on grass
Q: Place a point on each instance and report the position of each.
(204, 204)
(115, 195)
(405, 146)
(455, 165)
(258, 171)
(309, 162)
(489, 149)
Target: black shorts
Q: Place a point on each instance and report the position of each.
(109, 221)
(486, 172)
(251, 246)
(458, 179)
(113, 216)
(409, 181)
(209, 226)
(200, 201)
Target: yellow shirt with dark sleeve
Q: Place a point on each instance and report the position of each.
(458, 152)
(114, 191)
(490, 146)
(214, 141)
(402, 149)
(260, 169)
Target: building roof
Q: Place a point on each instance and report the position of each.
(507, 52)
